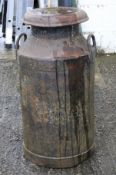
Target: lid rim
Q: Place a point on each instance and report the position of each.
(71, 16)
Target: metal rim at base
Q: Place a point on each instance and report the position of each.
(53, 162)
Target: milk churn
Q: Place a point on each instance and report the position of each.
(57, 87)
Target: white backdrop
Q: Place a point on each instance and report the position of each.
(102, 22)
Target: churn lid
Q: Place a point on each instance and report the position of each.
(54, 17)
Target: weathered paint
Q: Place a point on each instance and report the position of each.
(57, 83)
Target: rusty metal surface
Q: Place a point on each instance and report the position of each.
(57, 108)
(52, 17)
(55, 43)
(57, 80)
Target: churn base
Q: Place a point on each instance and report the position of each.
(53, 162)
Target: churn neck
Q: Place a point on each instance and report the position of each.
(56, 32)
(58, 22)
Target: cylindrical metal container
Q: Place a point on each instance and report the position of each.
(57, 88)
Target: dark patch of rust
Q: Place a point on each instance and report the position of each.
(77, 98)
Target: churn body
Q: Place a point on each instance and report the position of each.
(57, 89)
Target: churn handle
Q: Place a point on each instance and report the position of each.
(92, 48)
(18, 40)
